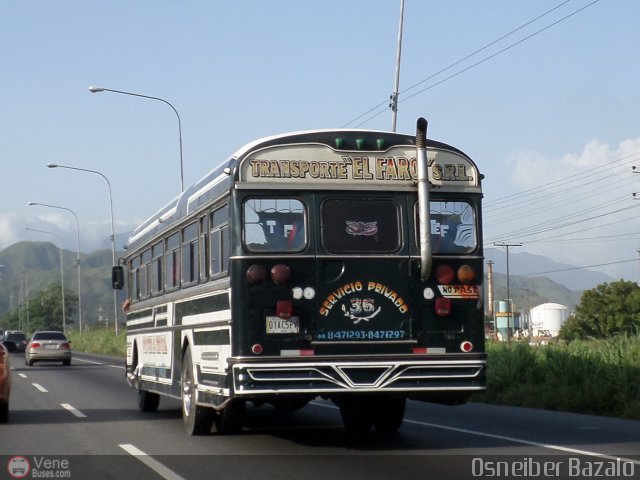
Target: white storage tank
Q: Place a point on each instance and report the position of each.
(546, 319)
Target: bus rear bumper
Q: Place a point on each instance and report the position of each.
(410, 376)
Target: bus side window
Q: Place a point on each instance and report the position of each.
(172, 262)
(220, 241)
(157, 254)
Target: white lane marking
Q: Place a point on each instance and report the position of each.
(87, 361)
(150, 462)
(22, 375)
(526, 442)
(73, 410)
(508, 439)
(40, 387)
(98, 363)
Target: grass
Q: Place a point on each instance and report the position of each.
(600, 377)
(104, 342)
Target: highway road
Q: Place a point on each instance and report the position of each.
(82, 421)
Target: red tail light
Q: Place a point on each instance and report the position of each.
(445, 274)
(284, 309)
(280, 274)
(35, 345)
(443, 306)
(466, 346)
(256, 349)
(256, 274)
(65, 345)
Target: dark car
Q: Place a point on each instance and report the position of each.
(48, 346)
(17, 337)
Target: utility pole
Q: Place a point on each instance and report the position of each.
(490, 295)
(509, 302)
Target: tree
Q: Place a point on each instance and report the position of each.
(44, 311)
(607, 310)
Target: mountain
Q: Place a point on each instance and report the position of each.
(28, 267)
(522, 263)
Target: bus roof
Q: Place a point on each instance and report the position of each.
(331, 144)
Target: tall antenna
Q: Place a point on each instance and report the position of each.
(394, 96)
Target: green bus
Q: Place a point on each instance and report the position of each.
(342, 264)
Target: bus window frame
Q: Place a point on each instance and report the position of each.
(223, 246)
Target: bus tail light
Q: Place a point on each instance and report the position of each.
(466, 346)
(256, 349)
(280, 274)
(443, 306)
(284, 309)
(256, 274)
(466, 274)
(445, 274)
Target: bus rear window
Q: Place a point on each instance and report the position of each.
(360, 226)
(453, 227)
(274, 225)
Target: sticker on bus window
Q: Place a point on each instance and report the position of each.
(365, 229)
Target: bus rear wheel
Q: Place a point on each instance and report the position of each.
(357, 415)
(197, 420)
(229, 420)
(388, 414)
(148, 401)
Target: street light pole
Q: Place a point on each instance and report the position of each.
(113, 235)
(64, 317)
(94, 89)
(394, 95)
(509, 302)
(78, 259)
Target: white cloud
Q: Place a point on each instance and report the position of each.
(576, 208)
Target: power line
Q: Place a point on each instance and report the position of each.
(499, 51)
(578, 268)
(473, 65)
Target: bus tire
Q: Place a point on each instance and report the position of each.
(148, 401)
(197, 420)
(4, 411)
(389, 414)
(356, 413)
(229, 420)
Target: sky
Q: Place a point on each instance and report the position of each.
(544, 95)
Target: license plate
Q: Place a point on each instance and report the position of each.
(50, 347)
(282, 325)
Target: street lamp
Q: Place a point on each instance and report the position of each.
(78, 260)
(64, 317)
(94, 89)
(113, 236)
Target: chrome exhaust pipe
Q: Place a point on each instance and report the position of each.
(426, 259)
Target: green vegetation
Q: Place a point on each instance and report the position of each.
(600, 377)
(104, 342)
(44, 311)
(607, 310)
